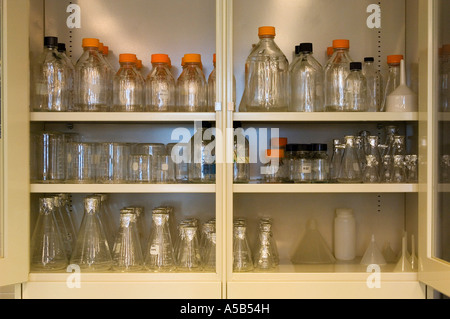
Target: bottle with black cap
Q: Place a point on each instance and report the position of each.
(374, 85)
(306, 76)
(355, 89)
(71, 69)
(320, 163)
(50, 80)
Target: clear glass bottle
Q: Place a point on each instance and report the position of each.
(350, 169)
(128, 86)
(241, 158)
(202, 168)
(47, 252)
(70, 79)
(306, 78)
(320, 163)
(212, 88)
(109, 73)
(52, 80)
(355, 99)
(336, 71)
(91, 252)
(374, 85)
(127, 251)
(91, 82)
(159, 255)
(393, 77)
(371, 171)
(266, 75)
(191, 86)
(242, 254)
(160, 86)
(336, 158)
(303, 165)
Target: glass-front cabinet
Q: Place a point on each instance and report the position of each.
(219, 218)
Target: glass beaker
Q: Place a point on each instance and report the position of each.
(242, 255)
(202, 168)
(180, 155)
(91, 252)
(47, 252)
(350, 169)
(163, 169)
(140, 168)
(81, 163)
(159, 256)
(49, 156)
(113, 162)
(127, 251)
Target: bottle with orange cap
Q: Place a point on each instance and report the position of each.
(266, 75)
(128, 86)
(91, 85)
(393, 77)
(212, 88)
(336, 71)
(160, 86)
(109, 70)
(191, 85)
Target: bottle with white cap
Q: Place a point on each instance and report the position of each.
(344, 235)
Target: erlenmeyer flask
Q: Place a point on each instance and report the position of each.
(398, 174)
(127, 251)
(91, 251)
(205, 237)
(390, 132)
(373, 254)
(267, 224)
(209, 259)
(65, 225)
(242, 255)
(386, 169)
(264, 258)
(105, 216)
(370, 174)
(47, 248)
(350, 169)
(160, 254)
(398, 145)
(189, 258)
(140, 222)
(372, 148)
(67, 205)
(360, 150)
(412, 174)
(312, 248)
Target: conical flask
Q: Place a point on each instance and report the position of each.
(91, 251)
(209, 258)
(266, 223)
(189, 258)
(265, 256)
(242, 255)
(105, 216)
(140, 222)
(313, 248)
(47, 247)
(205, 238)
(371, 171)
(127, 251)
(65, 225)
(398, 172)
(159, 255)
(373, 255)
(350, 169)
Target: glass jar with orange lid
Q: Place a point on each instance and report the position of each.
(275, 170)
(191, 85)
(160, 86)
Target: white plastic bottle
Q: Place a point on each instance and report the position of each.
(344, 235)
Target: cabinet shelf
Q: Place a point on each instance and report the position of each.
(121, 117)
(123, 188)
(325, 188)
(326, 117)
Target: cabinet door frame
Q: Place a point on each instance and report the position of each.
(14, 263)
(432, 271)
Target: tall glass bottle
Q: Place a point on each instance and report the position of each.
(355, 98)
(160, 86)
(336, 71)
(70, 78)
(52, 80)
(202, 168)
(47, 248)
(109, 73)
(91, 82)
(159, 255)
(127, 251)
(336, 158)
(128, 86)
(374, 85)
(91, 252)
(350, 168)
(210, 107)
(393, 77)
(241, 158)
(306, 78)
(266, 75)
(192, 86)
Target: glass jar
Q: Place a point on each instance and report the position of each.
(266, 75)
(275, 171)
(291, 159)
(303, 164)
(320, 163)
